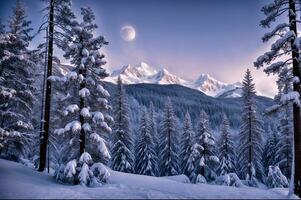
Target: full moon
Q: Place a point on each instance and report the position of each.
(128, 33)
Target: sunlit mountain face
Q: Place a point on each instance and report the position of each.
(144, 73)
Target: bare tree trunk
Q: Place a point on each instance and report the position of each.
(45, 133)
(296, 108)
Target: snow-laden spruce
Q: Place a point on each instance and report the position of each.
(83, 171)
(275, 178)
(207, 160)
(226, 149)
(250, 146)
(154, 132)
(270, 149)
(284, 146)
(189, 150)
(17, 70)
(122, 138)
(87, 121)
(169, 143)
(146, 159)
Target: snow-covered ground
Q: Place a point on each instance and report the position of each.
(18, 181)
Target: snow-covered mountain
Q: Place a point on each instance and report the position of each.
(143, 73)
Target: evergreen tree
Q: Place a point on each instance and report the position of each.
(250, 136)
(283, 60)
(58, 28)
(153, 132)
(17, 68)
(270, 151)
(226, 150)
(146, 159)
(189, 149)
(207, 158)
(275, 178)
(87, 107)
(122, 150)
(169, 165)
(284, 147)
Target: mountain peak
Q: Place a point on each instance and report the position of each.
(144, 73)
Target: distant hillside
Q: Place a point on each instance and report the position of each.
(186, 99)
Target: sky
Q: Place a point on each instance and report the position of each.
(187, 37)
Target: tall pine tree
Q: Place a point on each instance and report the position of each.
(87, 109)
(58, 28)
(146, 159)
(154, 132)
(169, 160)
(284, 147)
(283, 60)
(226, 149)
(270, 150)
(122, 149)
(250, 135)
(189, 149)
(17, 68)
(207, 158)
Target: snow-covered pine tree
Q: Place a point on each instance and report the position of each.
(276, 178)
(87, 112)
(122, 149)
(283, 60)
(154, 132)
(169, 160)
(207, 161)
(58, 28)
(17, 69)
(270, 149)
(226, 149)
(189, 151)
(146, 159)
(251, 135)
(284, 146)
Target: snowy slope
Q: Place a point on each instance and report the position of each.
(143, 73)
(18, 181)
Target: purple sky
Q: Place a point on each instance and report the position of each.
(218, 37)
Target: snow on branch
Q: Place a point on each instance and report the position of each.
(7, 92)
(103, 91)
(85, 112)
(275, 48)
(97, 117)
(85, 158)
(275, 67)
(86, 127)
(84, 93)
(70, 109)
(70, 168)
(291, 97)
(277, 30)
(75, 126)
(282, 41)
(272, 11)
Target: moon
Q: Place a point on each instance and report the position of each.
(128, 33)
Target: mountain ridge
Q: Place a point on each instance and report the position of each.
(144, 73)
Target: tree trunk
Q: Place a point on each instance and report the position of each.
(45, 133)
(82, 138)
(296, 108)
